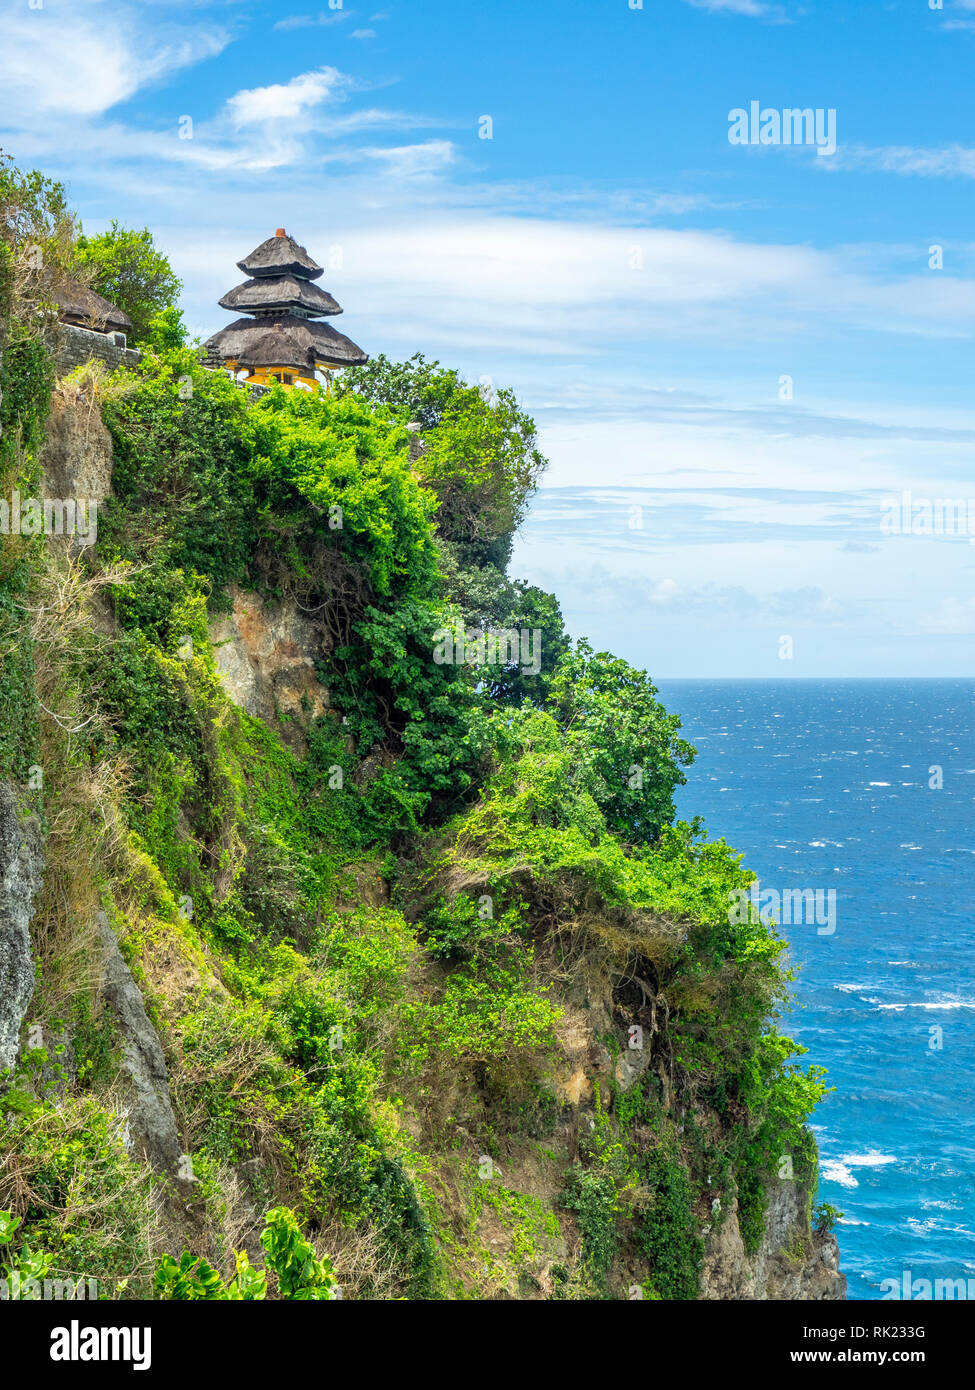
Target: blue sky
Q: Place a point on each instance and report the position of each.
(643, 284)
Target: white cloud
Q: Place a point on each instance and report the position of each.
(286, 100)
(412, 161)
(754, 8)
(952, 617)
(363, 34)
(82, 57)
(947, 161)
(312, 21)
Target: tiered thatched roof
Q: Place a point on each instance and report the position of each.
(290, 341)
(280, 255)
(273, 293)
(283, 333)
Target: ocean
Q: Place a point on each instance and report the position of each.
(834, 784)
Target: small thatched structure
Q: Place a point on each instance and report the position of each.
(83, 308)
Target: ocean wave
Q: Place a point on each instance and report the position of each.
(832, 1170)
(872, 1159)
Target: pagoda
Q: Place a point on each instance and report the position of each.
(282, 337)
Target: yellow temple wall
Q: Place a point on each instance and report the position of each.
(266, 376)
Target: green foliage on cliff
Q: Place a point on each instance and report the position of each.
(299, 1274)
(26, 378)
(372, 931)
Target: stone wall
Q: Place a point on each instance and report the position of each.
(77, 345)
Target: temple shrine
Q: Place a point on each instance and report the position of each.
(282, 336)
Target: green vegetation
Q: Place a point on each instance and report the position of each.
(825, 1218)
(125, 267)
(290, 1259)
(395, 942)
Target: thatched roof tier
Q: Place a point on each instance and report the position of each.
(81, 306)
(280, 292)
(283, 340)
(280, 255)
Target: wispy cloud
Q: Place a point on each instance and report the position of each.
(313, 21)
(754, 8)
(83, 57)
(945, 161)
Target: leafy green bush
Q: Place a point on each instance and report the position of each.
(825, 1217)
(592, 1195)
(624, 737)
(297, 1271)
(479, 456)
(668, 1234)
(330, 466)
(182, 492)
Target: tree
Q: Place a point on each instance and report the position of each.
(624, 736)
(127, 269)
(488, 601)
(480, 453)
(37, 232)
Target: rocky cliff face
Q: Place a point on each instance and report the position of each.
(151, 1124)
(21, 867)
(265, 653)
(792, 1262)
(77, 456)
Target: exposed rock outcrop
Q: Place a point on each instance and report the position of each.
(791, 1263)
(76, 457)
(152, 1123)
(265, 653)
(21, 869)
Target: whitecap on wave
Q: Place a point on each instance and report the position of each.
(872, 1159)
(832, 1170)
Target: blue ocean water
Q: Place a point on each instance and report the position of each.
(825, 784)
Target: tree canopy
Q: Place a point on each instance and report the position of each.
(128, 269)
